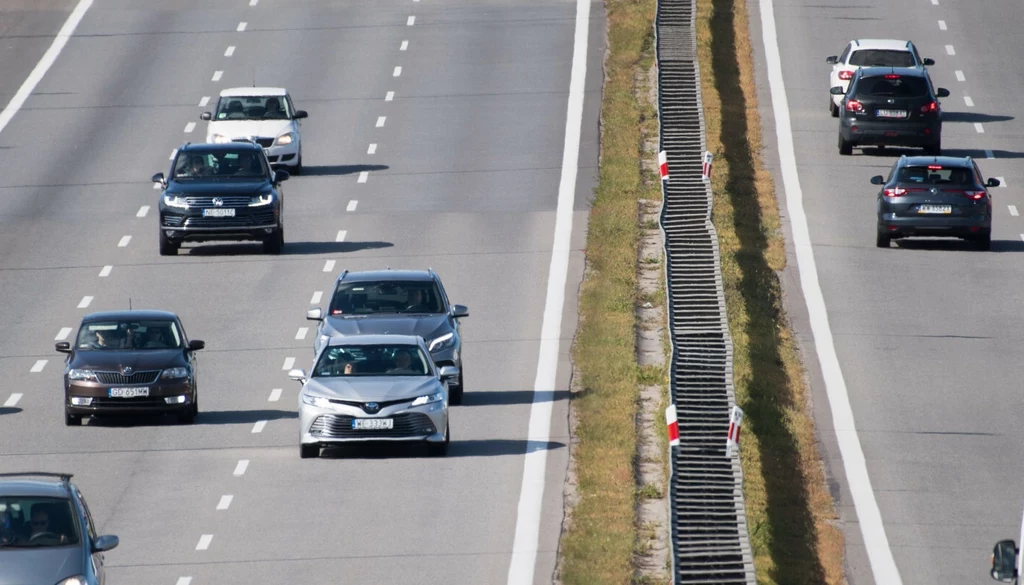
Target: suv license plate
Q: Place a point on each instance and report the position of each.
(215, 212)
(373, 424)
(891, 113)
(128, 392)
(944, 209)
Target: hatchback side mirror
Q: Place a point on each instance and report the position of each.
(460, 311)
(832, 59)
(837, 90)
(105, 543)
(298, 375)
(206, 116)
(942, 92)
(992, 182)
(63, 347)
(300, 114)
(928, 62)
(1004, 561)
(315, 314)
(196, 345)
(878, 180)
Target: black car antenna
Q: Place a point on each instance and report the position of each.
(254, 76)
(129, 303)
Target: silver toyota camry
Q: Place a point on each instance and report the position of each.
(374, 388)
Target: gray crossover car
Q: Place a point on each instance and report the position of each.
(373, 388)
(406, 302)
(47, 535)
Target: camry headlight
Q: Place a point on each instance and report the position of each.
(76, 580)
(217, 138)
(429, 398)
(265, 199)
(285, 139)
(82, 375)
(175, 201)
(443, 342)
(317, 401)
(175, 373)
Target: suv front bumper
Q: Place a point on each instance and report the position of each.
(247, 224)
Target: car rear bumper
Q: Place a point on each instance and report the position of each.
(934, 226)
(163, 397)
(889, 133)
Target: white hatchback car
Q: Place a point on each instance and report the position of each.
(869, 53)
(265, 115)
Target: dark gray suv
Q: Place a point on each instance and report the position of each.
(403, 302)
(47, 534)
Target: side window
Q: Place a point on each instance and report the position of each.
(917, 56)
(977, 173)
(444, 294)
(88, 515)
(846, 53)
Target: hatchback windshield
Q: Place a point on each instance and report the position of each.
(128, 335)
(882, 58)
(27, 522)
(253, 108)
(372, 360)
(936, 175)
(200, 163)
(368, 298)
(892, 86)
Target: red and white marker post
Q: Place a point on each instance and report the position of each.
(705, 167)
(735, 421)
(673, 425)
(663, 165)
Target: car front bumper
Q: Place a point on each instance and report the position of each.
(89, 398)
(248, 224)
(334, 425)
(890, 133)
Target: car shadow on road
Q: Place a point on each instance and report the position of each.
(507, 397)
(290, 248)
(338, 170)
(208, 417)
(981, 154)
(9, 410)
(974, 117)
(895, 152)
(953, 245)
(457, 448)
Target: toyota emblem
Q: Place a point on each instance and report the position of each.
(372, 407)
(218, 202)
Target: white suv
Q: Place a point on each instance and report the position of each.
(869, 53)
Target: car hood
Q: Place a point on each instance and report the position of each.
(22, 566)
(249, 128)
(372, 388)
(425, 326)
(112, 361)
(218, 187)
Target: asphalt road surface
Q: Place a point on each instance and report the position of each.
(927, 333)
(464, 177)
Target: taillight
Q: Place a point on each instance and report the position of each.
(930, 107)
(846, 75)
(974, 194)
(854, 106)
(895, 192)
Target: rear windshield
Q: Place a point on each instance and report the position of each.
(936, 176)
(882, 58)
(900, 87)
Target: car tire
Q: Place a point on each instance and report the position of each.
(455, 395)
(440, 449)
(309, 451)
(72, 420)
(984, 241)
(167, 247)
(882, 240)
(275, 243)
(297, 169)
(934, 149)
(833, 108)
(845, 147)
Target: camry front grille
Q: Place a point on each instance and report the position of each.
(117, 378)
(339, 426)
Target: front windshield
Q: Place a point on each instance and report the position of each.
(33, 522)
(372, 360)
(388, 297)
(129, 335)
(200, 163)
(253, 108)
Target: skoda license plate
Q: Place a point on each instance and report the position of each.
(129, 392)
(942, 209)
(891, 113)
(373, 424)
(218, 212)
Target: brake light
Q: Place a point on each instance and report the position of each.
(934, 167)
(846, 75)
(974, 194)
(854, 106)
(930, 107)
(895, 192)
(891, 76)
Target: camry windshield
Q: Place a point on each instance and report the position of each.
(253, 108)
(389, 297)
(936, 175)
(129, 335)
(200, 163)
(33, 522)
(882, 58)
(372, 360)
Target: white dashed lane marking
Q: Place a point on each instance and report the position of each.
(217, 75)
(317, 295)
(341, 236)
(942, 25)
(275, 395)
(388, 97)
(950, 50)
(978, 128)
(224, 502)
(959, 75)
(328, 265)
(190, 127)
(301, 333)
(204, 101)
(352, 205)
(63, 334)
(184, 581)
(968, 101)
(405, 46)
(289, 363)
(229, 51)
(380, 121)
(143, 210)
(243, 464)
(397, 72)
(204, 542)
(411, 21)
(157, 186)
(372, 149)
(241, 26)
(1013, 210)
(989, 154)
(1002, 181)
(253, 2)
(173, 152)
(363, 175)
(125, 240)
(258, 427)
(934, 2)
(38, 366)
(86, 300)
(12, 400)
(105, 272)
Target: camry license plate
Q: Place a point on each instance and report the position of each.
(943, 209)
(373, 424)
(129, 392)
(216, 212)
(891, 113)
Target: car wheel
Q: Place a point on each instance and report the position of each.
(984, 241)
(845, 147)
(275, 243)
(833, 108)
(167, 247)
(309, 451)
(297, 169)
(455, 393)
(440, 449)
(882, 240)
(72, 420)
(934, 149)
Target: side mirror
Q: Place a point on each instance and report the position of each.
(942, 92)
(281, 175)
(315, 314)
(449, 372)
(928, 62)
(105, 543)
(1004, 561)
(992, 182)
(460, 311)
(832, 59)
(837, 90)
(159, 178)
(298, 375)
(196, 345)
(878, 180)
(206, 116)
(63, 347)
(300, 114)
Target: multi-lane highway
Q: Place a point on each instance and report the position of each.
(927, 334)
(458, 112)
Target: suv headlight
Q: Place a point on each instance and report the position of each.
(317, 401)
(265, 199)
(76, 580)
(217, 138)
(285, 139)
(175, 373)
(175, 201)
(428, 399)
(443, 342)
(82, 375)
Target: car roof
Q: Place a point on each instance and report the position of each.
(380, 339)
(220, 147)
(253, 92)
(128, 314)
(885, 44)
(902, 71)
(946, 161)
(33, 488)
(386, 275)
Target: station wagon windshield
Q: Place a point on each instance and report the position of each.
(129, 335)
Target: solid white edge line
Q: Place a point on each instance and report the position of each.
(531, 497)
(38, 366)
(876, 543)
(317, 295)
(13, 399)
(63, 334)
(243, 464)
(204, 542)
(105, 272)
(289, 363)
(275, 395)
(225, 502)
(44, 64)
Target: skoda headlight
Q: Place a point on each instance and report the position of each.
(317, 401)
(443, 342)
(429, 398)
(265, 199)
(285, 139)
(76, 580)
(175, 201)
(82, 375)
(175, 373)
(217, 138)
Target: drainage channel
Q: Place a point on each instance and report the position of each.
(710, 541)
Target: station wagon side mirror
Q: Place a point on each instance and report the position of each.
(280, 176)
(460, 311)
(63, 347)
(928, 62)
(300, 114)
(878, 180)
(837, 90)
(315, 314)
(105, 543)
(196, 345)
(448, 372)
(942, 92)
(206, 116)
(992, 182)
(832, 59)
(1004, 561)
(297, 374)
(159, 178)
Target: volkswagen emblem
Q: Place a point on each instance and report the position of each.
(127, 370)
(371, 407)
(891, 101)
(218, 202)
